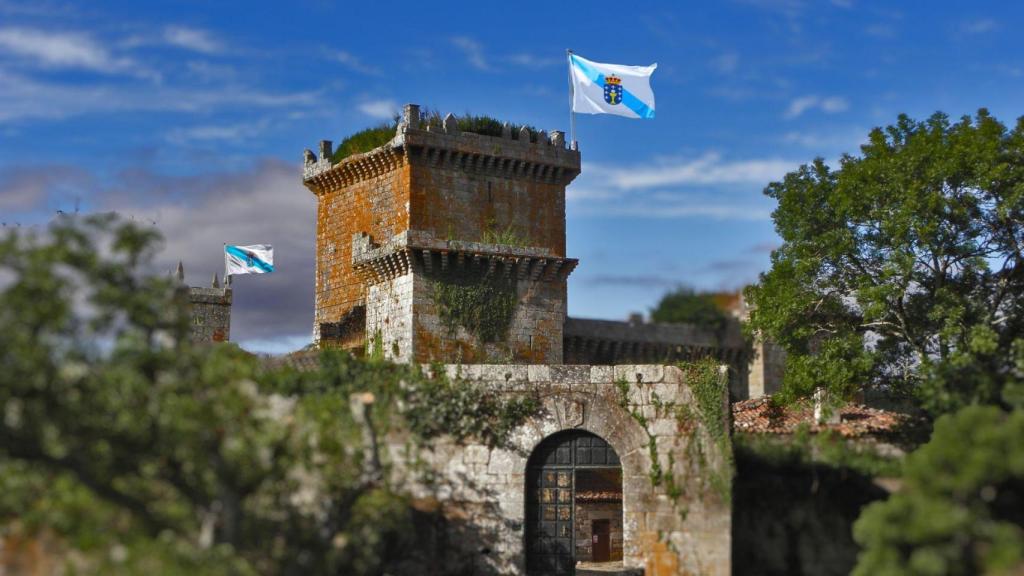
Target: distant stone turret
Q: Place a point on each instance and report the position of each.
(211, 309)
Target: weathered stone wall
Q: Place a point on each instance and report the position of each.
(211, 314)
(667, 532)
(462, 199)
(389, 315)
(374, 203)
(534, 335)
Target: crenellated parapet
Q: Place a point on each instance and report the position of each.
(521, 154)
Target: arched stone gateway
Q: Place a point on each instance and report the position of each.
(597, 427)
(573, 503)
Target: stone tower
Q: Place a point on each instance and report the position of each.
(211, 309)
(444, 245)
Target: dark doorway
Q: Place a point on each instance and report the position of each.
(601, 531)
(551, 499)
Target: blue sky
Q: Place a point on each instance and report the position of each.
(192, 116)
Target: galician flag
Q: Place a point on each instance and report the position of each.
(255, 259)
(611, 88)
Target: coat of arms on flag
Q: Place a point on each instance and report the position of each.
(612, 90)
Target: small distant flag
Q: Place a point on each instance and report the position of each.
(611, 88)
(255, 259)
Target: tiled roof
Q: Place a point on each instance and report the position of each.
(758, 416)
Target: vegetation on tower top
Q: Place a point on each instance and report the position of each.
(381, 134)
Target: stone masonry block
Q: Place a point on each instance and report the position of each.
(539, 373)
(476, 454)
(569, 374)
(646, 373)
(601, 374)
(504, 462)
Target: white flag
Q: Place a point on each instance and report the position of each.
(611, 88)
(255, 259)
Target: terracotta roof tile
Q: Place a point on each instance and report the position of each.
(758, 416)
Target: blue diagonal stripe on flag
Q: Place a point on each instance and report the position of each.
(628, 99)
(235, 251)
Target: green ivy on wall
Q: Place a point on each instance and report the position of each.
(708, 413)
(709, 389)
(481, 305)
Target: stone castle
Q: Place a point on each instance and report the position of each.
(444, 246)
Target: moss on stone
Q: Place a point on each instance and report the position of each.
(482, 305)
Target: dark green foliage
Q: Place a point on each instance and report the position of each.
(961, 508)
(687, 306)
(440, 406)
(903, 270)
(793, 516)
(141, 453)
(365, 140)
(482, 305)
(827, 449)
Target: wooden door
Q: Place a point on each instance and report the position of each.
(550, 538)
(601, 536)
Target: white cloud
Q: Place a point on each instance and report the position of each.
(694, 208)
(192, 39)
(353, 63)
(210, 133)
(881, 30)
(384, 109)
(844, 139)
(25, 189)
(473, 51)
(828, 104)
(68, 50)
(707, 169)
(534, 62)
(979, 26)
(725, 63)
(23, 98)
(703, 187)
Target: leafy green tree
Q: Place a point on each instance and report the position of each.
(903, 268)
(141, 453)
(687, 306)
(961, 508)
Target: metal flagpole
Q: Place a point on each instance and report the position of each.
(572, 99)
